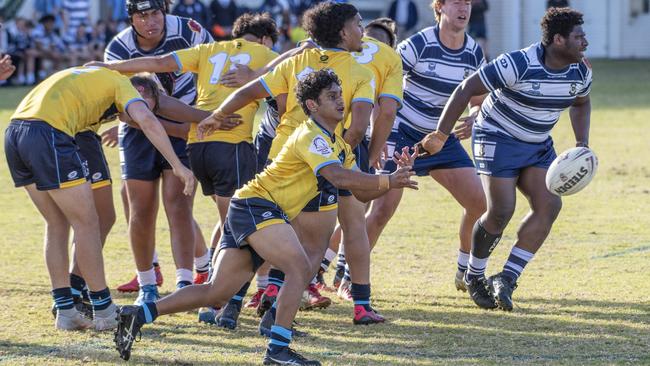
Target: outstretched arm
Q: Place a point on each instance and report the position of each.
(580, 115)
(165, 63)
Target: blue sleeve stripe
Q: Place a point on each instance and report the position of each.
(514, 66)
(323, 165)
(484, 79)
(126, 106)
(366, 100)
(498, 73)
(268, 90)
(178, 61)
(391, 96)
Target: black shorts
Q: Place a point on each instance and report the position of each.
(90, 146)
(363, 162)
(39, 153)
(221, 167)
(327, 198)
(246, 216)
(263, 146)
(141, 160)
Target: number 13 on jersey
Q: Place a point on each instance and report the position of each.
(219, 60)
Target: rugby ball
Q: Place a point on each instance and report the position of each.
(571, 171)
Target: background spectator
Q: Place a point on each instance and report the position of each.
(224, 13)
(22, 51)
(405, 14)
(557, 3)
(50, 46)
(52, 7)
(476, 27)
(193, 9)
(76, 13)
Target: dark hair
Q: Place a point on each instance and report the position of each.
(325, 21)
(387, 25)
(147, 86)
(559, 21)
(313, 84)
(259, 25)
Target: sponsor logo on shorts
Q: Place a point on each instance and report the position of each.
(97, 176)
(331, 198)
(267, 215)
(73, 175)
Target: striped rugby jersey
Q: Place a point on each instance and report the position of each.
(526, 98)
(181, 33)
(431, 73)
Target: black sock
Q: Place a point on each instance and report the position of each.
(147, 312)
(78, 286)
(483, 243)
(239, 296)
(361, 295)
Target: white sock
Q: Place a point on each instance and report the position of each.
(476, 266)
(147, 277)
(261, 281)
(183, 274)
(155, 257)
(202, 263)
(463, 259)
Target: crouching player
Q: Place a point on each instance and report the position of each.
(257, 226)
(44, 158)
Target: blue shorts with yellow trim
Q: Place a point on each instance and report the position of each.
(246, 216)
(222, 167)
(362, 158)
(327, 198)
(140, 160)
(90, 146)
(38, 153)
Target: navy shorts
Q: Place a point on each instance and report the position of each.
(90, 146)
(326, 200)
(499, 155)
(362, 158)
(141, 160)
(38, 153)
(263, 146)
(452, 155)
(246, 216)
(221, 167)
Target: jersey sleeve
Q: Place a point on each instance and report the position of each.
(585, 68)
(502, 72)
(125, 93)
(189, 59)
(313, 149)
(276, 81)
(393, 84)
(116, 50)
(409, 51)
(365, 90)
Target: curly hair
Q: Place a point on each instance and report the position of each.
(313, 84)
(325, 21)
(259, 25)
(147, 86)
(387, 25)
(559, 21)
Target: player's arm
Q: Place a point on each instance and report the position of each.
(381, 126)
(164, 63)
(471, 87)
(580, 115)
(148, 123)
(360, 112)
(463, 130)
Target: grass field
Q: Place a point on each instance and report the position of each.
(585, 298)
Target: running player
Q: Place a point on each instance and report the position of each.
(512, 146)
(43, 158)
(257, 227)
(435, 61)
(153, 32)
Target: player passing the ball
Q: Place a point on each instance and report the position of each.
(512, 146)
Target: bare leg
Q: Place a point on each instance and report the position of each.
(142, 209)
(178, 208)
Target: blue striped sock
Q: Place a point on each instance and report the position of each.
(63, 298)
(463, 259)
(346, 274)
(276, 277)
(77, 285)
(475, 267)
(100, 300)
(147, 313)
(361, 295)
(239, 296)
(516, 263)
(280, 338)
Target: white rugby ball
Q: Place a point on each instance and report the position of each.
(571, 171)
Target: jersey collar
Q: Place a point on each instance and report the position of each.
(325, 131)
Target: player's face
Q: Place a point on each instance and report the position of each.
(352, 34)
(149, 24)
(576, 44)
(330, 104)
(456, 13)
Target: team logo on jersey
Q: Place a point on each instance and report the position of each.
(324, 58)
(431, 69)
(238, 45)
(535, 89)
(194, 26)
(574, 89)
(320, 146)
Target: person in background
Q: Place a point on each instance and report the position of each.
(557, 3)
(224, 13)
(76, 13)
(52, 7)
(78, 46)
(193, 9)
(405, 14)
(49, 45)
(21, 49)
(476, 27)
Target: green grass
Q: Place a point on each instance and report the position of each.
(585, 298)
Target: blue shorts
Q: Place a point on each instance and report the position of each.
(246, 216)
(90, 146)
(363, 162)
(38, 153)
(263, 147)
(452, 155)
(141, 160)
(327, 198)
(499, 155)
(221, 167)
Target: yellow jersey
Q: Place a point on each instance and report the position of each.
(210, 61)
(356, 83)
(292, 179)
(74, 99)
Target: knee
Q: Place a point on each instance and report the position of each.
(178, 209)
(497, 218)
(477, 206)
(107, 220)
(549, 209)
(299, 269)
(380, 216)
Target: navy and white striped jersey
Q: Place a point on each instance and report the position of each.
(180, 34)
(271, 118)
(431, 73)
(526, 98)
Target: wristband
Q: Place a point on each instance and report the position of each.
(384, 182)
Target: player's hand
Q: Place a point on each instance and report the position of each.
(110, 137)
(463, 129)
(230, 121)
(186, 176)
(405, 158)
(97, 64)
(238, 76)
(217, 120)
(401, 178)
(432, 143)
(6, 67)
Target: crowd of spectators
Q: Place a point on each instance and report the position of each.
(61, 33)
